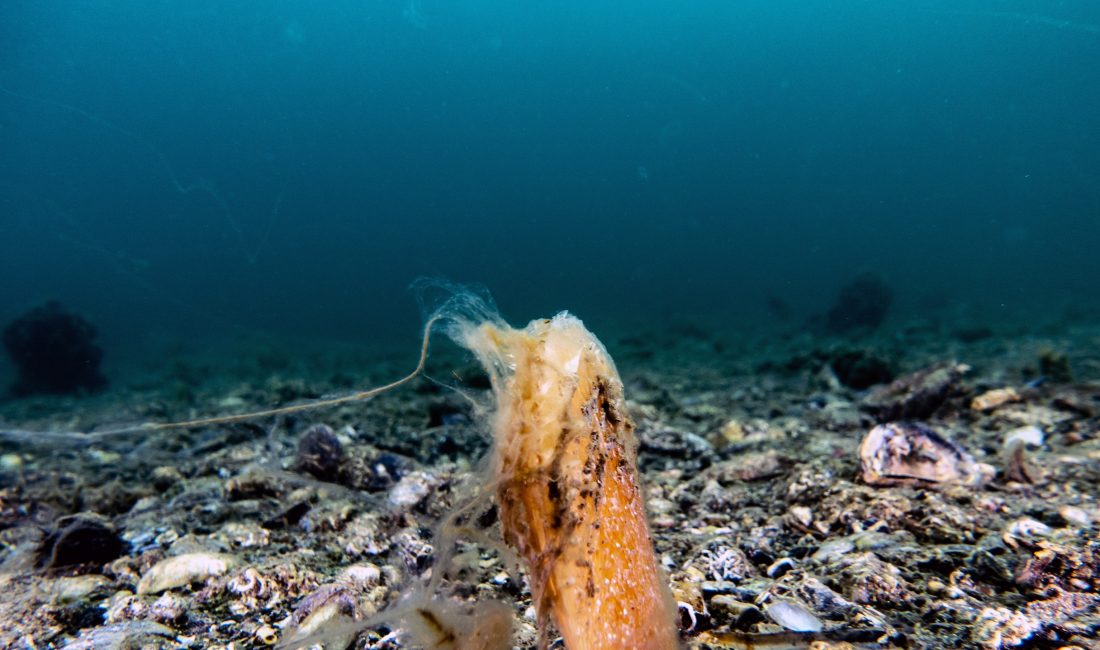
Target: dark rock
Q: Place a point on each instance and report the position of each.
(289, 517)
(1054, 366)
(917, 395)
(79, 541)
(319, 453)
(859, 370)
(79, 616)
(445, 413)
(54, 351)
(861, 305)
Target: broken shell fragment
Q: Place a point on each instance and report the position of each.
(1029, 436)
(794, 617)
(914, 454)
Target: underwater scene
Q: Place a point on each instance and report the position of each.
(485, 324)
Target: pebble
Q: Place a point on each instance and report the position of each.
(166, 476)
(11, 463)
(183, 570)
(996, 398)
(833, 550)
(74, 588)
(780, 567)
(128, 634)
(1074, 516)
(916, 395)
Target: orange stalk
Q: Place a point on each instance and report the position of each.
(568, 488)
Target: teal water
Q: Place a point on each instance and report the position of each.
(188, 171)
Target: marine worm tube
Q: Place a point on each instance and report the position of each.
(567, 485)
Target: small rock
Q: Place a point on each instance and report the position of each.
(916, 395)
(833, 550)
(72, 589)
(993, 399)
(169, 609)
(165, 477)
(870, 581)
(319, 453)
(780, 567)
(729, 606)
(1074, 516)
(914, 454)
(82, 540)
(860, 369)
(183, 570)
(124, 636)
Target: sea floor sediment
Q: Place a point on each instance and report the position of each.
(923, 490)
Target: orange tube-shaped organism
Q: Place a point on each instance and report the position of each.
(567, 486)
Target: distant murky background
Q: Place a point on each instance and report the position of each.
(185, 173)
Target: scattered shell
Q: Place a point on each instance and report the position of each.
(362, 575)
(999, 627)
(331, 606)
(1025, 529)
(914, 454)
(802, 515)
(183, 570)
(1031, 435)
(413, 488)
(995, 398)
(266, 635)
(794, 617)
